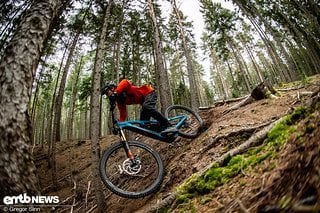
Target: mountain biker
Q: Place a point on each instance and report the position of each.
(127, 94)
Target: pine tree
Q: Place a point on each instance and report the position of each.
(17, 68)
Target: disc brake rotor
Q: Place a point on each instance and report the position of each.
(130, 168)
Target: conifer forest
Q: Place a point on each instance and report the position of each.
(211, 56)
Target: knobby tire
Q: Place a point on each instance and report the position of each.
(148, 155)
(195, 118)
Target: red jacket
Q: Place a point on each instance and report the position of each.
(134, 95)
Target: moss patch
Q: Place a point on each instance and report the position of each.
(217, 176)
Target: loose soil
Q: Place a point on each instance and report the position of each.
(259, 189)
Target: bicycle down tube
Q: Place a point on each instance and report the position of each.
(134, 126)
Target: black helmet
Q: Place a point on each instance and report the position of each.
(108, 85)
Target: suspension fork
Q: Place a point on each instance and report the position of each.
(126, 146)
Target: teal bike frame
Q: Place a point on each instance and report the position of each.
(141, 127)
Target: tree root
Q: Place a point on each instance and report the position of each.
(222, 102)
(254, 140)
(211, 142)
(248, 100)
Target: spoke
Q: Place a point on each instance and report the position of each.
(125, 177)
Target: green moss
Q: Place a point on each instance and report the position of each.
(254, 150)
(226, 160)
(303, 82)
(189, 182)
(297, 115)
(280, 133)
(205, 200)
(164, 209)
(217, 176)
(254, 160)
(187, 207)
(243, 182)
(192, 208)
(183, 198)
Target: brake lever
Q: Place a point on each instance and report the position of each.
(115, 130)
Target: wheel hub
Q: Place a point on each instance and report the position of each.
(131, 168)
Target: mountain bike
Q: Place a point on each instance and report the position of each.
(133, 169)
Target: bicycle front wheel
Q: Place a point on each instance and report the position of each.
(128, 179)
(192, 125)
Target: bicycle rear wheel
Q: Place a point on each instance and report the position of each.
(193, 124)
(131, 180)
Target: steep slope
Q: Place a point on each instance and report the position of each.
(288, 181)
(182, 159)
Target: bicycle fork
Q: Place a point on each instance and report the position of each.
(126, 146)
(131, 165)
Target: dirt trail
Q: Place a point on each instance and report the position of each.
(181, 159)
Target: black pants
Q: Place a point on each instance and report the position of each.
(149, 110)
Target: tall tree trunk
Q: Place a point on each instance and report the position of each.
(215, 64)
(251, 12)
(247, 72)
(44, 124)
(302, 38)
(240, 63)
(161, 73)
(86, 120)
(58, 110)
(191, 75)
(279, 67)
(233, 83)
(52, 107)
(269, 67)
(35, 99)
(59, 100)
(8, 30)
(255, 65)
(118, 45)
(182, 74)
(17, 69)
(95, 111)
(69, 126)
(203, 101)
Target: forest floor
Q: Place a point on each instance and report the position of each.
(288, 181)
